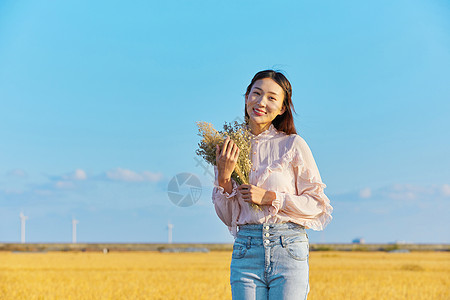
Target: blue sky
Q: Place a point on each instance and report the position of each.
(98, 104)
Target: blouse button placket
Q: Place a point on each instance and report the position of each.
(254, 155)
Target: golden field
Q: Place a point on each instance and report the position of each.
(155, 275)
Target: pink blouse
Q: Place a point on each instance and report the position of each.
(284, 164)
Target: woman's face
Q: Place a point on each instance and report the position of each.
(263, 103)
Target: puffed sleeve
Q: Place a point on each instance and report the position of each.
(309, 206)
(226, 205)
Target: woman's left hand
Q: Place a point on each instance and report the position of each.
(251, 193)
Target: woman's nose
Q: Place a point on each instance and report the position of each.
(261, 101)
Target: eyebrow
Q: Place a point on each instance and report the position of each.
(263, 91)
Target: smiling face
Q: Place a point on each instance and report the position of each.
(263, 103)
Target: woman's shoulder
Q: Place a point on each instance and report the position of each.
(291, 142)
(294, 140)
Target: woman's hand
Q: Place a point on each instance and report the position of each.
(226, 159)
(252, 193)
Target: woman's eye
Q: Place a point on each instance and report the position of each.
(272, 98)
(256, 93)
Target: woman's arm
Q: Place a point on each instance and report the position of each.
(309, 205)
(224, 186)
(226, 159)
(224, 201)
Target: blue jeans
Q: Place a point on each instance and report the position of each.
(270, 261)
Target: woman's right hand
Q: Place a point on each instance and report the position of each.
(226, 159)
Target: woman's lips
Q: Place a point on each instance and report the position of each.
(258, 112)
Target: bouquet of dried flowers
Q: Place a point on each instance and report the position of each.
(239, 133)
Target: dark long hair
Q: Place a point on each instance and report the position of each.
(284, 122)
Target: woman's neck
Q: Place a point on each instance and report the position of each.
(256, 129)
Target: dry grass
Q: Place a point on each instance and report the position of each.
(154, 275)
(380, 275)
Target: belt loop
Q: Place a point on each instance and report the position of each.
(249, 239)
(283, 243)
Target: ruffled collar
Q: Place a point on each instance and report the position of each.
(266, 134)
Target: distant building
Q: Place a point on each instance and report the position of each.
(359, 241)
(401, 242)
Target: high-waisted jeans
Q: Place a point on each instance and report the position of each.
(270, 261)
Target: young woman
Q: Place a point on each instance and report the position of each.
(271, 249)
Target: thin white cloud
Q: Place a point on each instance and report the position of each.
(78, 174)
(43, 192)
(404, 195)
(79, 181)
(410, 192)
(445, 190)
(65, 181)
(407, 193)
(13, 191)
(365, 193)
(64, 184)
(120, 174)
(152, 176)
(17, 173)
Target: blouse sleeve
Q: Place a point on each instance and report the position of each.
(226, 205)
(309, 206)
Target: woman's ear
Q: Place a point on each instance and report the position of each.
(283, 109)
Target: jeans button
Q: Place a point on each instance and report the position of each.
(267, 227)
(267, 241)
(267, 234)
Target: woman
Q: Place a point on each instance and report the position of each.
(271, 249)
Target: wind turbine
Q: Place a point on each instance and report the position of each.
(22, 227)
(74, 231)
(170, 227)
